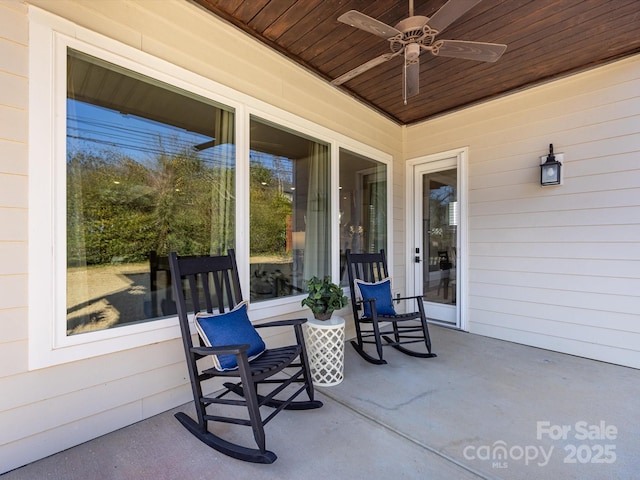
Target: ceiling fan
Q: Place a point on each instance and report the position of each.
(414, 34)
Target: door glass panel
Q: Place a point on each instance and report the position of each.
(440, 234)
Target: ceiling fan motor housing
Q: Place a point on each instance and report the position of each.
(415, 31)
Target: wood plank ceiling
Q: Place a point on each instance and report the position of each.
(546, 39)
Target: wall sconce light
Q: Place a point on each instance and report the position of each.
(550, 168)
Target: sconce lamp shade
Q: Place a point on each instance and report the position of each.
(550, 170)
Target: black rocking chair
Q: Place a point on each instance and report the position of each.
(372, 305)
(212, 283)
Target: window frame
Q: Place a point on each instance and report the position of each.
(50, 36)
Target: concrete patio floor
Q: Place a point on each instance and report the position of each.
(483, 409)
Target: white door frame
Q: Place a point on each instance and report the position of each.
(461, 155)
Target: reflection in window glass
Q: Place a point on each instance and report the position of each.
(290, 234)
(440, 235)
(363, 206)
(150, 169)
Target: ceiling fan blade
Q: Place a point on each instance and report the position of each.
(411, 79)
(450, 12)
(345, 77)
(368, 24)
(483, 52)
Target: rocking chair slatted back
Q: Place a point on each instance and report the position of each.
(370, 267)
(202, 272)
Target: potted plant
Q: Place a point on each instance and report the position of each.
(324, 297)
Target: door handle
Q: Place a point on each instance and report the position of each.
(417, 259)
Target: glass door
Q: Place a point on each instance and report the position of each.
(436, 242)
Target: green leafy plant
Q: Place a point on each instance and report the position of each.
(324, 297)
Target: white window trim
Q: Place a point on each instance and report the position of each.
(49, 38)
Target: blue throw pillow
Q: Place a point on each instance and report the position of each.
(380, 292)
(230, 328)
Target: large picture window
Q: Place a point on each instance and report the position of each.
(289, 211)
(150, 169)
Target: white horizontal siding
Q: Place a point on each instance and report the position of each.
(604, 303)
(576, 332)
(579, 283)
(24, 450)
(13, 204)
(577, 234)
(13, 194)
(558, 312)
(578, 201)
(557, 267)
(585, 250)
(548, 341)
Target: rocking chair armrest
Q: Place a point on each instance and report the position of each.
(372, 307)
(370, 301)
(362, 301)
(414, 297)
(359, 303)
(225, 350)
(282, 323)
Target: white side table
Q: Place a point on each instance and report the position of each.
(325, 347)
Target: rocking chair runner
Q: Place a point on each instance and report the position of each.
(372, 304)
(213, 283)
